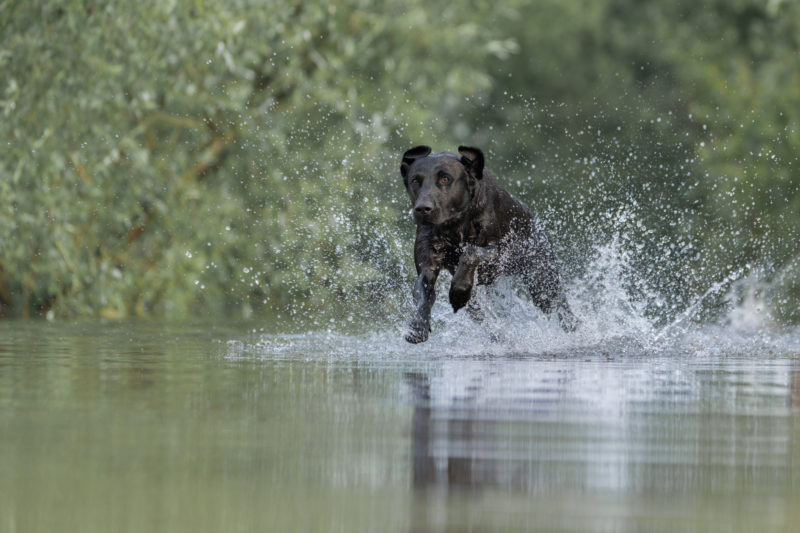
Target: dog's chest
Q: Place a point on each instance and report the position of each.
(448, 246)
(449, 256)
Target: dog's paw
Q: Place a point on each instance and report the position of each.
(569, 322)
(417, 333)
(459, 296)
(415, 337)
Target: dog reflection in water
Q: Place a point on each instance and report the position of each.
(444, 447)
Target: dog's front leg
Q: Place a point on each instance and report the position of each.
(424, 296)
(464, 277)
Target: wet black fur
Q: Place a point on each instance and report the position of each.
(468, 224)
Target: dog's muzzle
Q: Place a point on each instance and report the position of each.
(424, 213)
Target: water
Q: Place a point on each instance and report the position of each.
(214, 427)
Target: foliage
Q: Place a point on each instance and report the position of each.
(229, 158)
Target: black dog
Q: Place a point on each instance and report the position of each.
(468, 224)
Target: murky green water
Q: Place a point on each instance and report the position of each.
(145, 427)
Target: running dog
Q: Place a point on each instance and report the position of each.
(469, 225)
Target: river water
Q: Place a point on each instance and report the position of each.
(209, 427)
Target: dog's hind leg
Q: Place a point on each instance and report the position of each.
(475, 311)
(485, 317)
(547, 293)
(569, 322)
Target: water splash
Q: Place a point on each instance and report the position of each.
(748, 308)
(621, 316)
(695, 306)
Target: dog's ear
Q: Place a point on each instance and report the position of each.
(412, 155)
(472, 158)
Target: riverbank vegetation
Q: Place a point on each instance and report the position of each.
(186, 158)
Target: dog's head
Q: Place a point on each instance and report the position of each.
(441, 186)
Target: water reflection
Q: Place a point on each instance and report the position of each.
(140, 428)
(795, 397)
(658, 427)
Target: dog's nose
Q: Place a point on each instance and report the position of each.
(423, 209)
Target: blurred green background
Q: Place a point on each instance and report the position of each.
(240, 159)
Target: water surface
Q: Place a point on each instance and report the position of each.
(163, 427)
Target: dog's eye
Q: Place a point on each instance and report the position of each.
(444, 179)
(417, 181)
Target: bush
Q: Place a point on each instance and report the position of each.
(229, 158)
